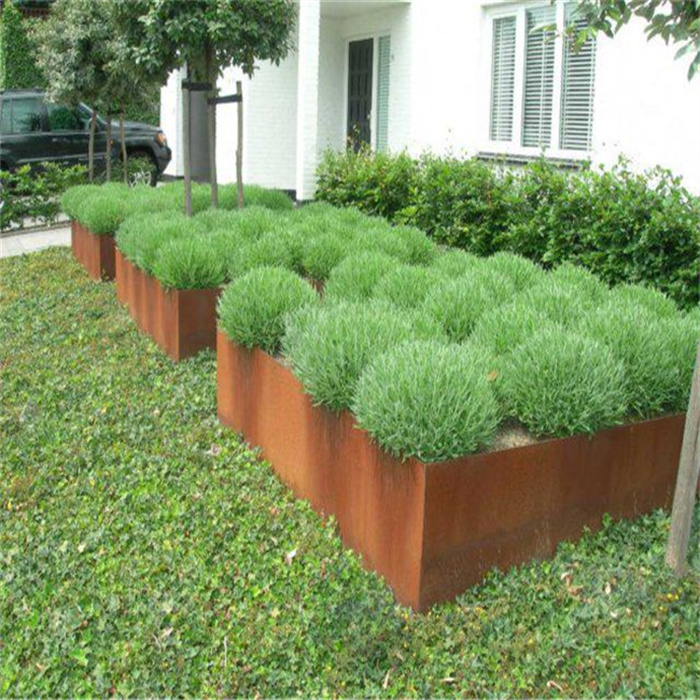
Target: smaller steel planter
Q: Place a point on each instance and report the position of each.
(94, 252)
(181, 321)
(432, 530)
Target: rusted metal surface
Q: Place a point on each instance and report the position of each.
(181, 321)
(94, 252)
(432, 530)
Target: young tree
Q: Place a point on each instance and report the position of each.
(207, 36)
(17, 65)
(73, 53)
(676, 21)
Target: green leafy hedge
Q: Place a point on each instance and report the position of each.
(621, 225)
(18, 67)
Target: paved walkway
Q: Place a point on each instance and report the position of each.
(31, 241)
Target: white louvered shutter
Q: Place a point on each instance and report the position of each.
(503, 79)
(383, 71)
(578, 76)
(538, 85)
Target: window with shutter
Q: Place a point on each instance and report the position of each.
(538, 88)
(383, 71)
(503, 79)
(578, 71)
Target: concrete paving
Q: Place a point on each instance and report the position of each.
(31, 241)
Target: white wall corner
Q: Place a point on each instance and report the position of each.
(307, 98)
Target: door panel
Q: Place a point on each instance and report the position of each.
(360, 64)
(70, 135)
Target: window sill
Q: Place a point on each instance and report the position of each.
(504, 158)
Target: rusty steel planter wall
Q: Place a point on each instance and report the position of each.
(181, 321)
(432, 530)
(94, 252)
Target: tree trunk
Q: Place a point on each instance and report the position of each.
(91, 147)
(211, 125)
(186, 119)
(239, 149)
(108, 149)
(122, 140)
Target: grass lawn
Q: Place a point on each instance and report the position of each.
(144, 550)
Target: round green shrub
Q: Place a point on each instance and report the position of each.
(507, 327)
(383, 239)
(73, 197)
(103, 213)
(427, 400)
(275, 200)
(582, 281)
(654, 352)
(252, 309)
(407, 286)
(652, 299)
(523, 273)
(456, 263)
(189, 262)
(420, 250)
(254, 222)
(355, 277)
(561, 383)
(161, 230)
(682, 339)
(131, 232)
(459, 302)
(559, 301)
(330, 345)
(271, 250)
(323, 253)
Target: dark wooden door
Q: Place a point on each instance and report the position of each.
(360, 92)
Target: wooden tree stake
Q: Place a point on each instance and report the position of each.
(687, 481)
(239, 148)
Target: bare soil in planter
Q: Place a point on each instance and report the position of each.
(432, 530)
(94, 252)
(181, 321)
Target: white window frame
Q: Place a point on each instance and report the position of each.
(498, 10)
(375, 36)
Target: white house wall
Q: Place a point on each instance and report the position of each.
(644, 106)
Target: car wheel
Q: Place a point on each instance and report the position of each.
(142, 169)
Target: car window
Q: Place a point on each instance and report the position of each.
(62, 118)
(21, 115)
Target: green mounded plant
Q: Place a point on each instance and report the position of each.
(355, 278)
(323, 253)
(504, 328)
(73, 197)
(419, 249)
(458, 303)
(253, 308)
(254, 222)
(657, 354)
(428, 400)
(407, 286)
(271, 250)
(523, 273)
(330, 345)
(103, 213)
(560, 383)
(189, 262)
(275, 200)
(131, 232)
(583, 280)
(652, 299)
(151, 235)
(560, 300)
(455, 263)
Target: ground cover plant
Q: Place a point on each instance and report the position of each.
(146, 551)
(622, 225)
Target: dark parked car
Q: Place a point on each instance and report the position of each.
(34, 131)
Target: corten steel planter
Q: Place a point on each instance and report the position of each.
(93, 251)
(432, 530)
(181, 321)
